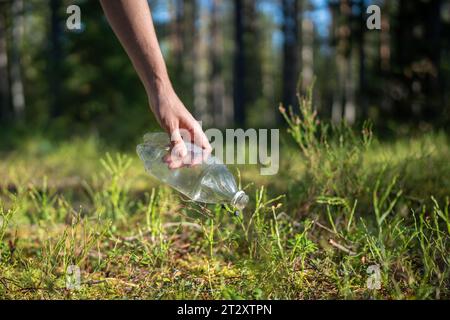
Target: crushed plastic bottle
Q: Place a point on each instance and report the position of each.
(208, 182)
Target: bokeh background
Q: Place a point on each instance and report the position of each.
(231, 62)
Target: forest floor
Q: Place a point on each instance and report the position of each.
(347, 217)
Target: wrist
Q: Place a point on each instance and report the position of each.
(160, 93)
(157, 82)
(158, 87)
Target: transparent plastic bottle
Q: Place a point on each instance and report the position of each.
(208, 182)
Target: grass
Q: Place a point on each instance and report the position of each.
(344, 209)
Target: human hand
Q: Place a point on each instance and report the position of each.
(178, 122)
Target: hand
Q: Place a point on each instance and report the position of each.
(176, 120)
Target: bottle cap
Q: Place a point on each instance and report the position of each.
(240, 200)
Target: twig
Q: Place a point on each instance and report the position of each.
(341, 247)
(332, 231)
(91, 282)
(122, 281)
(135, 237)
(183, 224)
(325, 228)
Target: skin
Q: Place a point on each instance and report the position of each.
(132, 23)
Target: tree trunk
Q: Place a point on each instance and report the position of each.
(201, 70)
(339, 96)
(189, 54)
(270, 72)
(433, 88)
(239, 64)
(4, 75)
(362, 61)
(247, 59)
(350, 90)
(182, 48)
(290, 51)
(385, 40)
(344, 96)
(176, 35)
(17, 91)
(217, 84)
(55, 58)
(307, 54)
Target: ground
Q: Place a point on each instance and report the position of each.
(347, 217)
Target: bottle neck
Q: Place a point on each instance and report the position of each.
(240, 200)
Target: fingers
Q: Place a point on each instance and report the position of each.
(178, 150)
(178, 146)
(189, 160)
(203, 143)
(179, 155)
(175, 163)
(195, 160)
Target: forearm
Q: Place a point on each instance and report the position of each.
(132, 23)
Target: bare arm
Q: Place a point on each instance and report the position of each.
(132, 23)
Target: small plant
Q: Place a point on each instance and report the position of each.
(72, 247)
(301, 245)
(115, 193)
(305, 127)
(333, 154)
(44, 201)
(5, 218)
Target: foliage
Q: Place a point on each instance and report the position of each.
(350, 203)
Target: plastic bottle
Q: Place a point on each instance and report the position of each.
(208, 182)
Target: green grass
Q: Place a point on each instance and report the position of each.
(342, 202)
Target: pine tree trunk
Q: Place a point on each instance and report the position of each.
(350, 90)
(344, 96)
(239, 64)
(362, 61)
(55, 58)
(17, 91)
(385, 40)
(201, 70)
(290, 51)
(217, 84)
(433, 88)
(176, 35)
(4, 76)
(307, 54)
(339, 96)
(189, 54)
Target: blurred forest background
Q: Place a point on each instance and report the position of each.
(231, 62)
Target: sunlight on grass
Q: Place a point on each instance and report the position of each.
(342, 202)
